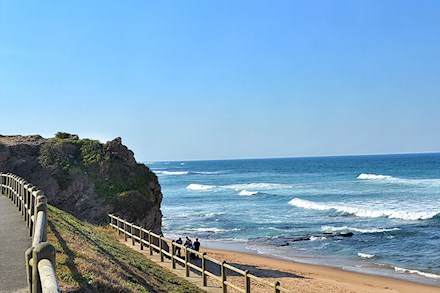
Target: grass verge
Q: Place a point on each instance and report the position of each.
(90, 259)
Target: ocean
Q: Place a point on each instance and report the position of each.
(377, 214)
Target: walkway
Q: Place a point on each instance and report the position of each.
(13, 243)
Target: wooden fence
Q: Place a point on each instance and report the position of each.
(170, 249)
(40, 257)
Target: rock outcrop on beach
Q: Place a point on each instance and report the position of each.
(85, 177)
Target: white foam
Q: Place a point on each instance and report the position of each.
(405, 181)
(171, 172)
(428, 275)
(365, 176)
(365, 213)
(245, 187)
(346, 228)
(366, 255)
(199, 187)
(314, 238)
(212, 214)
(247, 193)
(213, 230)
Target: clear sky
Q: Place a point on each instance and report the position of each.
(182, 80)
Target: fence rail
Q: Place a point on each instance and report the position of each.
(40, 257)
(168, 248)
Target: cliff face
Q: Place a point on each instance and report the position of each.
(86, 178)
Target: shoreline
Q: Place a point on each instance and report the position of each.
(317, 278)
(346, 265)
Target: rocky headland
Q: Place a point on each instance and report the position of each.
(86, 178)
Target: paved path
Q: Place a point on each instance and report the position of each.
(13, 244)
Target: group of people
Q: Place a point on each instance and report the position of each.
(189, 244)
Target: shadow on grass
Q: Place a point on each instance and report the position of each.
(70, 263)
(254, 270)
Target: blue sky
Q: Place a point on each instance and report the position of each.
(187, 80)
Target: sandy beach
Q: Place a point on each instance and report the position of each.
(300, 277)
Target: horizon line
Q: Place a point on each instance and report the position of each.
(296, 157)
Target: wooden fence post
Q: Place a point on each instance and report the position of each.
(173, 260)
(186, 262)
(132, 234)
(29, 272)
(125, 230)
(247, 282)
(161, 248)
(43, 250)
(149, 242)
(277, 283)
(118, 224)
(41, 205)
(141, 236)
(204, 277)
(32, 210)
(223, 270)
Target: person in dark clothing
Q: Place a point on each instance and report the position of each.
(178, 241)
(197, 245)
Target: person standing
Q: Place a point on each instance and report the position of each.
(178, 241)
(197, 245)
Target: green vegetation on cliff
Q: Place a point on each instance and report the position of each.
(91, 259)
(68, 156)
(116, 178)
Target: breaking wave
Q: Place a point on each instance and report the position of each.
(171, 172)
(364, 176)
(213, 230)
(248, 193)
(244, 188)
(428, 275)
(199, 187)
(366, 255)
(351, 229)
(364, 213)
(405, 181)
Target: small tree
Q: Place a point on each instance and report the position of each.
(63, 135)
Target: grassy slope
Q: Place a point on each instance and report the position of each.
(90, 259)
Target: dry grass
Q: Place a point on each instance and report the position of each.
(90, 259)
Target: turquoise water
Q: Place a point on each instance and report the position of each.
(300, 209)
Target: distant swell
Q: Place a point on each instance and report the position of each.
(364, 213)
(427, 182)
(245, 189)
(364, 176)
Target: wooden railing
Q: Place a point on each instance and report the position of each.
(40, 257)
(167, 248)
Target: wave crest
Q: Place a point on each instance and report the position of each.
(245, 192)
(364, 213)
(359, 230)
(171, 172)
(365, 255)
(194, 186)
(365, 176)
(428, 275)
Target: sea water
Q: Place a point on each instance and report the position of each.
(301, 208)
